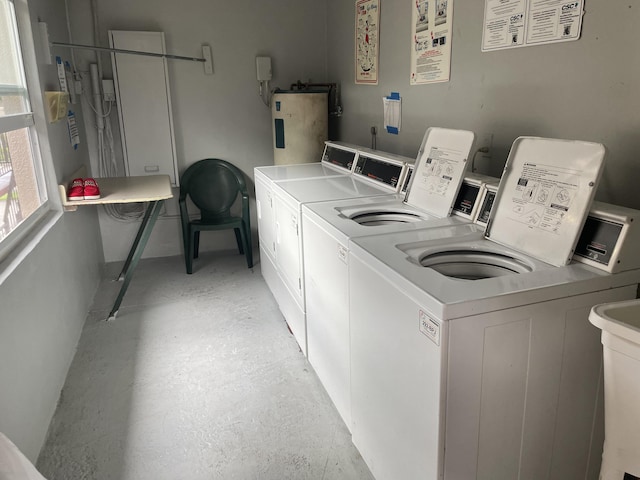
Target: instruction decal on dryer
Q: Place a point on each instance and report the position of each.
(542, 198)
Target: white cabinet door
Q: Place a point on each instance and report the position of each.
(288, 247)
(144, 105)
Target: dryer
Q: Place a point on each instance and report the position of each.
(471, 351)
(337, 159)
(328, 226)
(375, 174)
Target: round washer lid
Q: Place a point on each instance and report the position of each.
(544, 196)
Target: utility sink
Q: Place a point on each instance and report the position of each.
(619, 318)
(620, 324)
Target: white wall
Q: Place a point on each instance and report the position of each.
(220, 115)
(44, 301)
(585, 90)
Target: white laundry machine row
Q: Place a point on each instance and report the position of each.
(471, 352)
(374, 174)
(328, 227)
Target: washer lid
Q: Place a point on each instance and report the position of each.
(440, 168)
(544, 196)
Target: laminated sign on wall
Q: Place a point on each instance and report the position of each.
(431, 25)
(367, 41)
(523, 23)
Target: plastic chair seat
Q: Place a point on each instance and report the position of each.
(213, 185)
(220, 225)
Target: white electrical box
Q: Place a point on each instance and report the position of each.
(144, 104)
(263, 68)
(108, 90)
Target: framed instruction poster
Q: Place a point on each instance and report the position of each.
(523, 23)
(367, 41)
(431, 25)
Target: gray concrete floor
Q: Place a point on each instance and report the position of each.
(197, 378)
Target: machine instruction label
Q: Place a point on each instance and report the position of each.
(543, 196)
(343, 253)
(442, 167)
(429, 327)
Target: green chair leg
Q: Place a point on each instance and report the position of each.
(196, 244)
(239, 240)
(188, 255)
(247, 247)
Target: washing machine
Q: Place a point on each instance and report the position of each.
(337, 159)
(471, 351)
(374, 174)
(329, 225)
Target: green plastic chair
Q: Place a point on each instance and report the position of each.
(213, 186)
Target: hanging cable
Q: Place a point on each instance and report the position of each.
(264, 87)
(107, 162)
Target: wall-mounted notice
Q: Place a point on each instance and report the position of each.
(431, 25)
(367, 41)
(523, 23)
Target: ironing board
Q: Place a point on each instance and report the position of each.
(154, 189)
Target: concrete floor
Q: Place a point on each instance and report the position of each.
(197, 378)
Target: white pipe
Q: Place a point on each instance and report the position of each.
(73, 57)
(96, 37)
(97, 97)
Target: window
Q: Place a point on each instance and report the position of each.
(23, 195)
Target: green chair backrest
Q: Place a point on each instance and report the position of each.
(213, 186)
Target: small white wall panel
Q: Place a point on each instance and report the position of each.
(144, 105)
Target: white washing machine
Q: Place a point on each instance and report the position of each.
(471, 352)
(374, 175)
(328, 226)
(337, 159)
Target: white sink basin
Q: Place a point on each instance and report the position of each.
(620, 318)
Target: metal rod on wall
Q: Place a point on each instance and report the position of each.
(131, 52)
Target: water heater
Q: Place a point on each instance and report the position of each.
(300, 126)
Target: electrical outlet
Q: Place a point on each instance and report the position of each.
(485, 144)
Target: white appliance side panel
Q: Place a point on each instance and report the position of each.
(270, 275)
(144, 105)
(266, 217)
(504, 380)
(582, 365)
(289, 245)
(327, 307)
(291, 311)
(396, 380)
(523, 394)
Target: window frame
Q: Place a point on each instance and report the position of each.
(29, 232)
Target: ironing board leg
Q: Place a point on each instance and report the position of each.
(144, 232)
